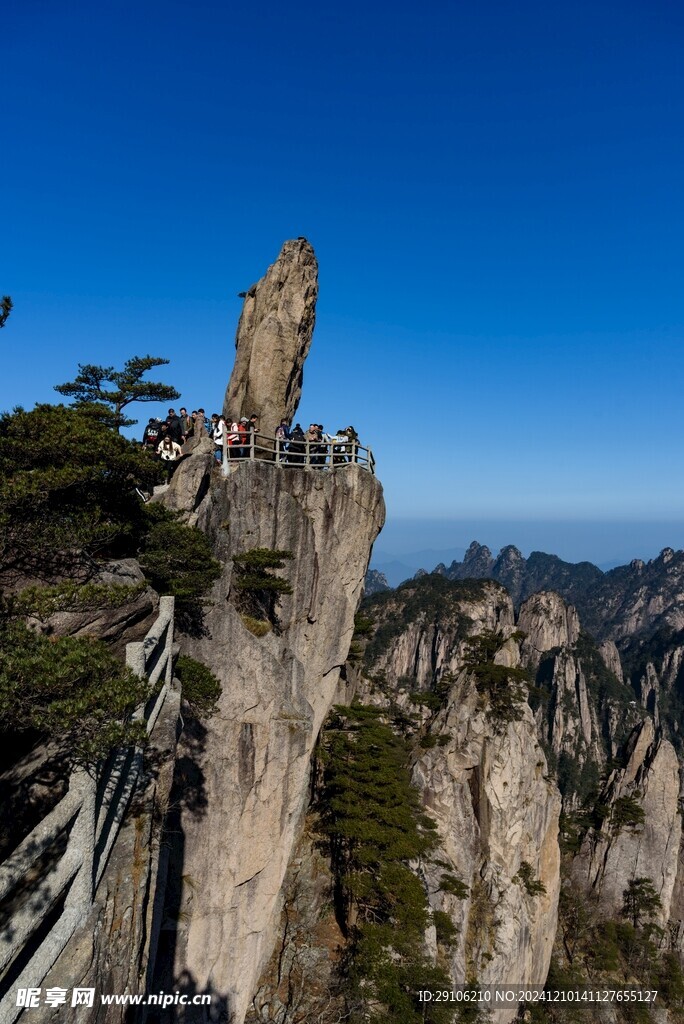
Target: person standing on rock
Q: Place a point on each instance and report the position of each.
(253, 427)
(282, 437)
(243, 431)
(186, 423)
(338, 451)
(296, 446)
(170, 453)
(218, 428)
(174, 428)
(313, 436)
(234, 449)
(352, 447)
(152, 434)
(192, 419)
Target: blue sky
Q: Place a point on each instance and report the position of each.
(493, 191)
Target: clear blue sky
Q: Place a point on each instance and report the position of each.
(493, 189)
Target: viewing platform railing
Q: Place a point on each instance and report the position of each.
(332, 454)
(82, 828)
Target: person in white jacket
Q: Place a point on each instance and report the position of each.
(170, 453)
(218, 430)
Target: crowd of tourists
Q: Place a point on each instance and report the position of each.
(341, 447)
(165, 438)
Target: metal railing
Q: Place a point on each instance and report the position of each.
(87, 821)
(334, 453)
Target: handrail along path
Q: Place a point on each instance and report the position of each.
(89, 817)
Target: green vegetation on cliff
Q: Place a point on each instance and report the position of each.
(201, 688)
(258, 588)
(67, 493)
(178, 560)
(68, 502)
(502, 689)
(599, 952)
(371, 817)
(70, 689)
(431, 598)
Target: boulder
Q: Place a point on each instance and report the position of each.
(273, 339)
(118, 624)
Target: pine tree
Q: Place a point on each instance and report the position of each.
(90, 391)
(640, 900)
(5, 309)
(375, 826)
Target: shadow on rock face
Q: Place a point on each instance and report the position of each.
(188, 798)
(217, 1009)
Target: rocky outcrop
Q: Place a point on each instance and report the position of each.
(190, 482)
(509, 569)
(525, 576)
(642, 830)
(589, 711)
(436, 621)
(649, 690)
(611, 659)
(638, 599)
(243, 781)
(300, 982)
(548, 622)
(277, 689)
(570, 722)
(477, 564)
(273, 339)
(484, 781)
(116, 621)
(497, 816)
(376, 582)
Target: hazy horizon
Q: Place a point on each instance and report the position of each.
(601, 541)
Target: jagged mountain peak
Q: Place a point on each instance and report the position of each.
(476, 552)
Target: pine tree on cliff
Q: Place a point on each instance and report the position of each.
(89, 389)
(5, 309)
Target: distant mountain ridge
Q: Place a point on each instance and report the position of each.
(525, 576)
(641, 597)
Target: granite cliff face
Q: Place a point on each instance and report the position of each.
(496, 812)
(587, 710)
(588, 735)
(547, 622)
(619, 775)
(483, 779)
(247, 775)
(277, 689)
(641, 833)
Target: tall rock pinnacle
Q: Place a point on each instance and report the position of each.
(273, 339)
